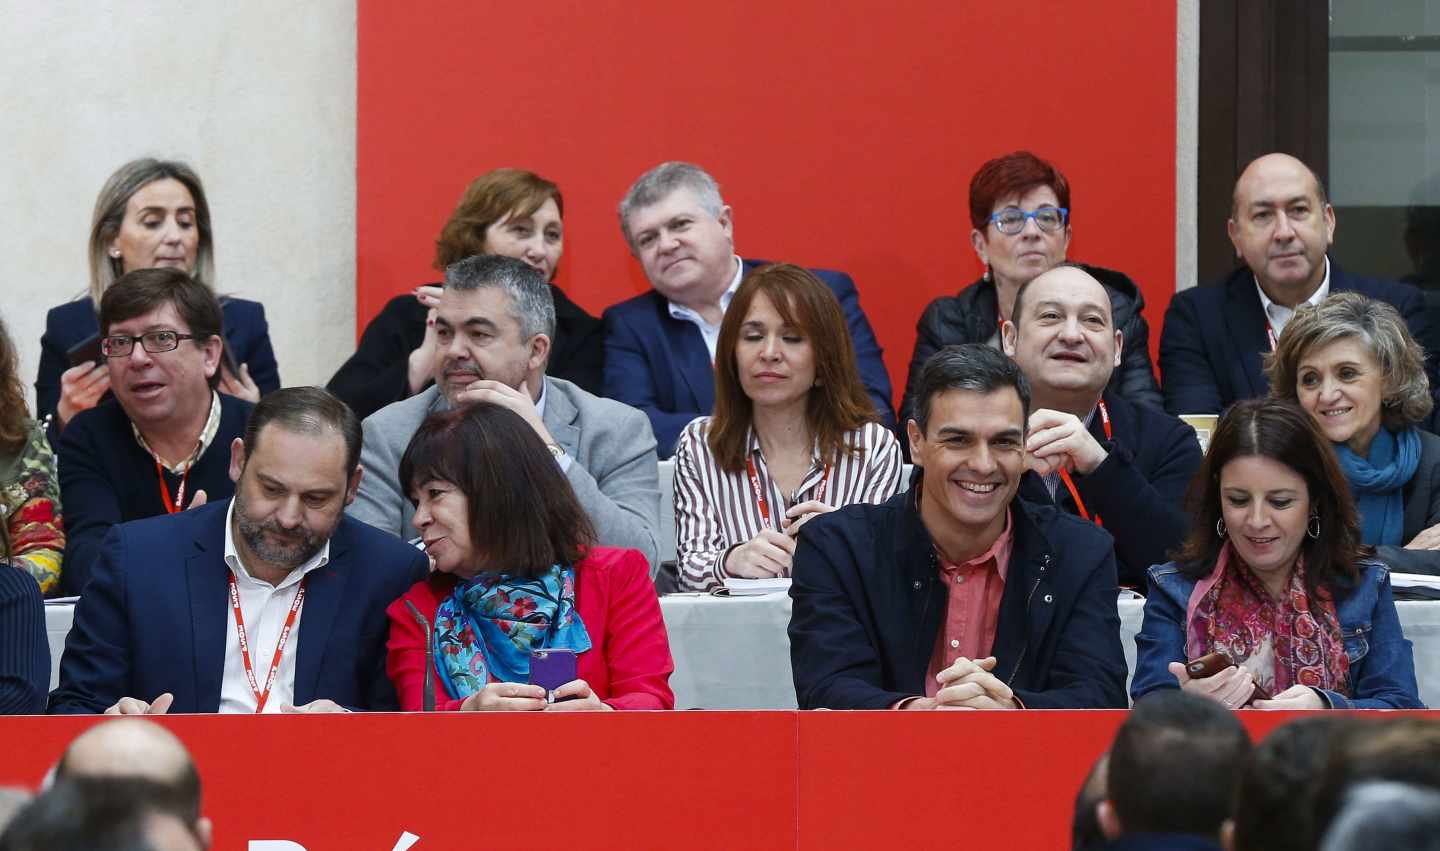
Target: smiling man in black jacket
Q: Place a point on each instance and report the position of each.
(958, 594)
(1093, 452)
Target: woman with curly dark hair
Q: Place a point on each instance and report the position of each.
(1273, 577)
(32, 535)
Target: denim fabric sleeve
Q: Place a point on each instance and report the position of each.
(1161, 641)
(1384, 678)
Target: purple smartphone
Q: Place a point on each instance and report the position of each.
(552, 668)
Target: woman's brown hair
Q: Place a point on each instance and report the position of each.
(488, 199)
(14, 413)
(837, 404)
(524, 516)
(1280, 431)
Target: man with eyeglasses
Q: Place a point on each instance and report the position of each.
(161, 445)
(1281, 225)
(659, 346)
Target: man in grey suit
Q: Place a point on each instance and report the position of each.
(493, 331)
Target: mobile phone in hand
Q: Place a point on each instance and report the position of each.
(1213, 663)
(552, 668)
(86, 351)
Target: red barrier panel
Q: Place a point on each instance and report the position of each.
(695, 780)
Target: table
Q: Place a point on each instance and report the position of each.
(734, 653)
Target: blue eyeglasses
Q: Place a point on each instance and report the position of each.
(1011, 220)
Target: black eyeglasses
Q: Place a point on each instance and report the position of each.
(1011, 220)
(153, 342)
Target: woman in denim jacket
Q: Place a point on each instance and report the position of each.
(1274, 577)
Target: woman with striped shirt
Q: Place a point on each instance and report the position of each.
(793, 434)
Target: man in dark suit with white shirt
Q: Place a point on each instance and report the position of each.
(1281, 225)
(272, 601)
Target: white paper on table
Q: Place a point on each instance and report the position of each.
(756, 587)
(1414, 580)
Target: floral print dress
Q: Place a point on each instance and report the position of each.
(30, 507)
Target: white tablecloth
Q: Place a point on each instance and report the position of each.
(733, 652)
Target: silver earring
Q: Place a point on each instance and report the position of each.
(1220, 527)
(986, 276)
(1312, 528)
(115, 252)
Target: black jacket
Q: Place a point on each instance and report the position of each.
(378, 373)
(869, 603)
(1214, 338)
(1139, 490)
(969, 317)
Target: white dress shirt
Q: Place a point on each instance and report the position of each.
(711, 332)
(264, 608)
(1279, 314)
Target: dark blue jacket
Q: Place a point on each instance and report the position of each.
(73, 322)
(1162, 842)
(1214, 338)
(1382, 662)
(869, 603)
(1139, 490)
(660, 364)
(24, 648)
(107, 478)
(154, 617)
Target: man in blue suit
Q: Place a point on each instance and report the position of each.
(1281, 225)
(659, 347)
(271, 602)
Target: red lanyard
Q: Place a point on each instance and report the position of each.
(1070, 483)
(764, 504)
(262, 696)
(172, 507)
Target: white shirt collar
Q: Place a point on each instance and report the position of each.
(1279, 314)
(242, 573)
(540, 403)
(684, 313)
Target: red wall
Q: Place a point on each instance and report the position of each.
(843, 135)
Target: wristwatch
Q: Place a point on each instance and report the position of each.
(556, 449)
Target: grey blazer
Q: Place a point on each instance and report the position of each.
(612, 468)
(1422, 510)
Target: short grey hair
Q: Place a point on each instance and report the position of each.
(109, 214)
(1406, 401)
(1380, 815)
(531, 303)
(656, 185)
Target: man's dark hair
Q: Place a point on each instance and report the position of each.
(1275, 799)
(1405, 750)
(1085, 831)
(143, 290)
(180, 794)
(307, 410)
(92, 814)
(972, 366)
(1017, 308)
(1174, 764)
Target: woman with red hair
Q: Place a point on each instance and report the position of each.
(1020, 212)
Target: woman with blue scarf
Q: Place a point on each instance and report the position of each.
(1351, 363)
(515, 572)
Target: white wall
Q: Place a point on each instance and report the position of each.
(258, 96)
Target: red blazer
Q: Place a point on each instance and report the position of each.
(628, 664)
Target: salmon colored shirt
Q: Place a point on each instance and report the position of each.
(972, 612)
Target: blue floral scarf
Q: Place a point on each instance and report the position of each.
(1377, 482)
(487, 627)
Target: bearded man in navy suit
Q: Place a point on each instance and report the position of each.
(273, 601)
(660, 346)
(1281, 225)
